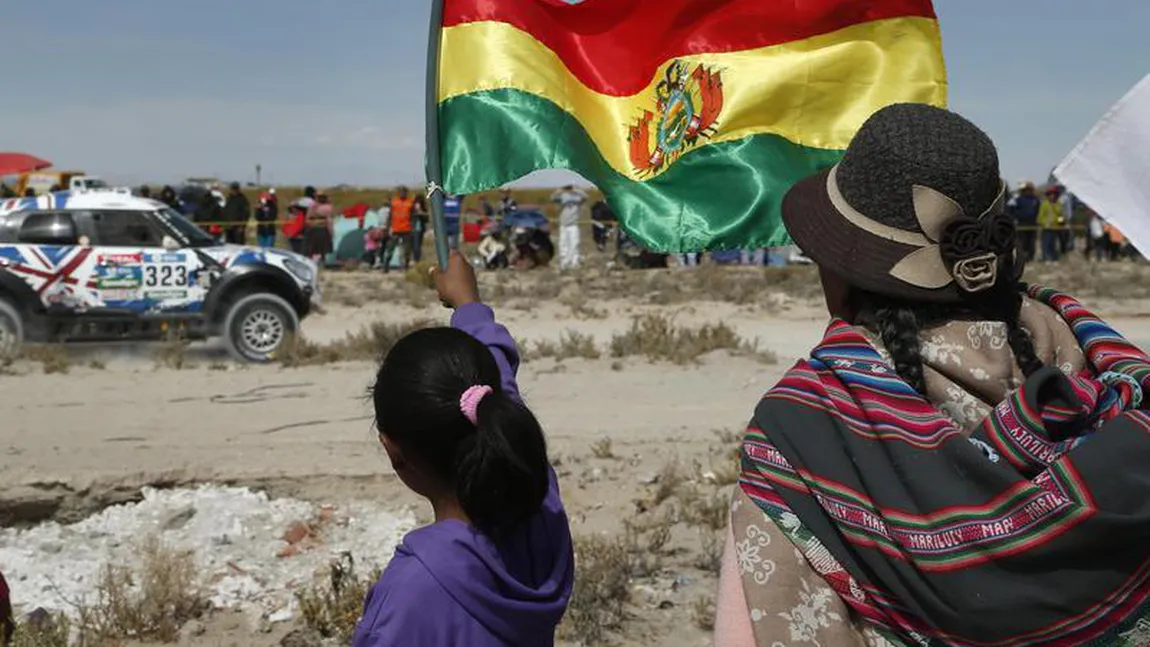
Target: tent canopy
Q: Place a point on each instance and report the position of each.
(17, 163)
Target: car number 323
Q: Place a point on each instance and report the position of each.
(165, 276)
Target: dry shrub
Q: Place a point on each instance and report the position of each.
(333, 607)
(656, 337)
(572, 344)
(97, 365)
(150, 604)
(52, 357)
(298, 351)
(370, 343)
(602, 449)
(730, 437)
(707, 510)
(669, 481)
(174, 353)
(1126, 280)
(710, 557)
(703, 613)
(604, 568)
(44, 631)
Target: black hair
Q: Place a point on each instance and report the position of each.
(900, 323)
(309, 191)
(498, 467)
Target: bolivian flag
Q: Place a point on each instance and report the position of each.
(693, 116)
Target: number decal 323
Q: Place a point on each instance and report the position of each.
(165, 276)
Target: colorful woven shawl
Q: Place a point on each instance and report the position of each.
(1035, 530)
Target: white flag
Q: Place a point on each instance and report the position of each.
(1110, 169)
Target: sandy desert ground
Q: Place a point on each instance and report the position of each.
(636, 442)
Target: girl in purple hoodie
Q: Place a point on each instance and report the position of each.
(496, 567)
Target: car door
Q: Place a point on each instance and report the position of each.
(49, 257)
(136, 272)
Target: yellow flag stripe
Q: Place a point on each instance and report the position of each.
(815, 92)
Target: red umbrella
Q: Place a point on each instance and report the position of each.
(17, 163)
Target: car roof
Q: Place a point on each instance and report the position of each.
(80, 200)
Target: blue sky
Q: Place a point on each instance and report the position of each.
(332, 92)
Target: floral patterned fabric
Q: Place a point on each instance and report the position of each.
(969, 369)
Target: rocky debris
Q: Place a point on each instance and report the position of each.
(236, 534)
(178, 519)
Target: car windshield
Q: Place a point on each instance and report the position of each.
(184, 230)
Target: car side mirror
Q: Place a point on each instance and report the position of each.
(170, 244)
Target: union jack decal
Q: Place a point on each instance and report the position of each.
(50, 266)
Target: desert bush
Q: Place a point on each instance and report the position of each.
(656, 337)
(147, 604)
(703, 613)
(669, 481)
(602, 449)
(43, 630)
(53, 358)
(173, 353)
(710, 556)
(708, 510)
(333, 605)
(571, 345)
(370, 343)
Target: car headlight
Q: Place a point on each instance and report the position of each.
(301, 270)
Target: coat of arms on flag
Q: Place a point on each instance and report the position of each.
(693, 118)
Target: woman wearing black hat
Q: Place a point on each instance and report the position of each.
(963, 460)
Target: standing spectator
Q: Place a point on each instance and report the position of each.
(144, 191)
(29, 192)
(420, 216)
(452, 211)
(237, 212)
(507, 204)
(754, 257)
(1066, 201)
(1023, 207)
(208, 213)
(266, 221)
(602, 221)
(570, 201)
(168, 196)
(317, 238)
(1052, 222)
(6, 191)
(219, 195)
(1115, 241)
(296, 226)
(1095, 236)
(402, 206)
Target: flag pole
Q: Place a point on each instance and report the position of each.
(434, 170)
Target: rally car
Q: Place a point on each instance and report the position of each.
(104, 266)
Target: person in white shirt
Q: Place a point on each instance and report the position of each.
(570, 201)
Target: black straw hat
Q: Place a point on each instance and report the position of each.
(914, 210)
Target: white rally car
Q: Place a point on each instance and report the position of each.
(102, 265)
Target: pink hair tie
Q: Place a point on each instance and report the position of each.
(469, 402)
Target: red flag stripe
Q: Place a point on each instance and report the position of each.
(615, 46)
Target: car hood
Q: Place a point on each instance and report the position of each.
(230, 256)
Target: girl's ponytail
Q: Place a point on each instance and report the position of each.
(501, 469)
(438, 397)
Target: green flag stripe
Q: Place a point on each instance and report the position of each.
(719, 196)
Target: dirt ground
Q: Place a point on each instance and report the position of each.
(117, 420)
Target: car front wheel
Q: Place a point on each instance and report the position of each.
(258, 325)
(11, 330)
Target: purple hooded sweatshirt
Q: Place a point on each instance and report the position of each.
(450, 585)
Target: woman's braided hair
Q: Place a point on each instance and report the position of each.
(900, 324)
